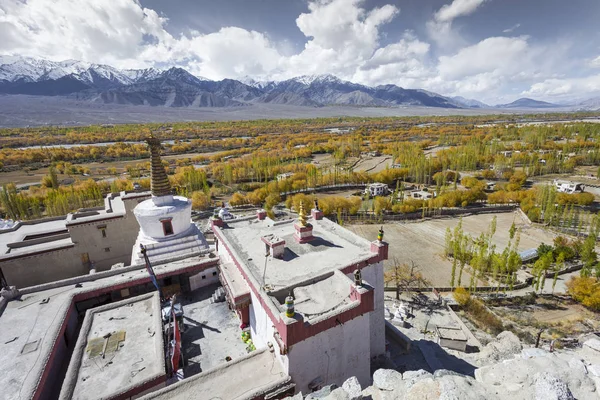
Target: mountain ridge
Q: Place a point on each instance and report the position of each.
(176, 87)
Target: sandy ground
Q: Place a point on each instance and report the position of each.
(373, 164)
(423, 242)
(22, 110)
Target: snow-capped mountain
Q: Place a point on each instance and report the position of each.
(528, 103)
(469, 103)
(176, 87)
(592, 104)
(25, 69)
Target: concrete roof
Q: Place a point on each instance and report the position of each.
(333, 248)
(114, 207)
(138, 359)
(24, 229)
(245, 378)
(31, 319)
(452, 333)
(323, 296)
(234, 278)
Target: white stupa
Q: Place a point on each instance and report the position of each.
(166, 227)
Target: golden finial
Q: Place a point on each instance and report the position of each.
(302, 215)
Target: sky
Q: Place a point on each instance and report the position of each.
(490, 50)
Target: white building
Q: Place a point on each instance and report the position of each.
(377, 189)
(337, 323)
(284, 176)
(89, 240)
(421, 195)
(166, 227)
(568, 186)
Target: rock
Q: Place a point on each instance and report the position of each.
(337, 394)
(577, 365)
(387, 379)
(352, 387)
(505, 346)
(549, 387)
(533, 352)
(426, 388)
(412, 377)
(444, 372)
(594, 370)
(321, 393)
(456, 387)
(593, 344)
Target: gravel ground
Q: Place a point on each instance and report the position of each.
(423, 242)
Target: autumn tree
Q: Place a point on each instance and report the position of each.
(404, 277)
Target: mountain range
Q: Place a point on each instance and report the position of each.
(176, 87)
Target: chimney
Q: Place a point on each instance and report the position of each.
(316, 213)
(261, 214)
(275, 246)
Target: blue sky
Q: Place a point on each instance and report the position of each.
(491, 50)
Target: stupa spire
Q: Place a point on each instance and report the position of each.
(160, 184)
(302, 216)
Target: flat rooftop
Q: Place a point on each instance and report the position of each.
(28, 229)
(333, 248)
(451, 333)
(30, 325)
(120, 348)
(244, 378)
(212, 332)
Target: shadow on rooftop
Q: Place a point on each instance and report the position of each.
(195, 324)
(317, 242)
(289, 255)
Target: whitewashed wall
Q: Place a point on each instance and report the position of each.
(196, 281)
(373, 275)
(333, 355)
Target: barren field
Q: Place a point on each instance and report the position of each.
(373, 164)
(423, 242)
(97, 170)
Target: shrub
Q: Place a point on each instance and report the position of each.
(585, 290)
(462, 296)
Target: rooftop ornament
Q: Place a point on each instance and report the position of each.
(302, 216)
(357, 277)
(316, 204)
(160, 184)
(380, 234)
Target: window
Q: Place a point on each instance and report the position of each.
(167, 227)
(107, 249)
(214, 273)
(102, 229)
(203, 276)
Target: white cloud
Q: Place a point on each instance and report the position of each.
(565, 88)
(342, 38)
(512, 28)
(595, 63)
(440, 27)
(457, 8)
(490, 55)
